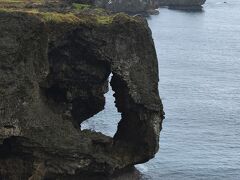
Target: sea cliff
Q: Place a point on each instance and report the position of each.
(55, 60)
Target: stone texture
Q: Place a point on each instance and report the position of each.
(53, 75)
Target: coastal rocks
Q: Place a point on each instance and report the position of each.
(130, 6)
(182, 4)
(54, 71)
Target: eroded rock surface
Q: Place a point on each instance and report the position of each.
(54, 72)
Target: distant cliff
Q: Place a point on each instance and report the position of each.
(129, 6)
(141, 6)
(182, 3)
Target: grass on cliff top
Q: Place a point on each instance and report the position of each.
(72, 18)
(84, 19)
(80, 7)
(56, 17)
(88, 8)
(92, 15)
(46, 16)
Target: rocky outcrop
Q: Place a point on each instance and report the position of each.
(130, 6)
(182, 4)
(54, 71)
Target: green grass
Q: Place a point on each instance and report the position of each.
(104, 19)
(58, 17)
(73, 17)
(46, 16)
(80, 7)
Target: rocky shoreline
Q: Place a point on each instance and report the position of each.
(183, 4)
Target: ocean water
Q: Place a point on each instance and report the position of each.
(199, 62)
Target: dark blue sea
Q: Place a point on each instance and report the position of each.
(199, 62)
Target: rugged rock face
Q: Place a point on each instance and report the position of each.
(54, 72)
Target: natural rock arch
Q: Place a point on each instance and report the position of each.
(106, 121)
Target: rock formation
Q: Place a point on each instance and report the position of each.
(54, 70)
(182, 4)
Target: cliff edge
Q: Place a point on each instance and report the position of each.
(55, 61)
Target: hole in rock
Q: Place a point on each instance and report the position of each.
(107, 120)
